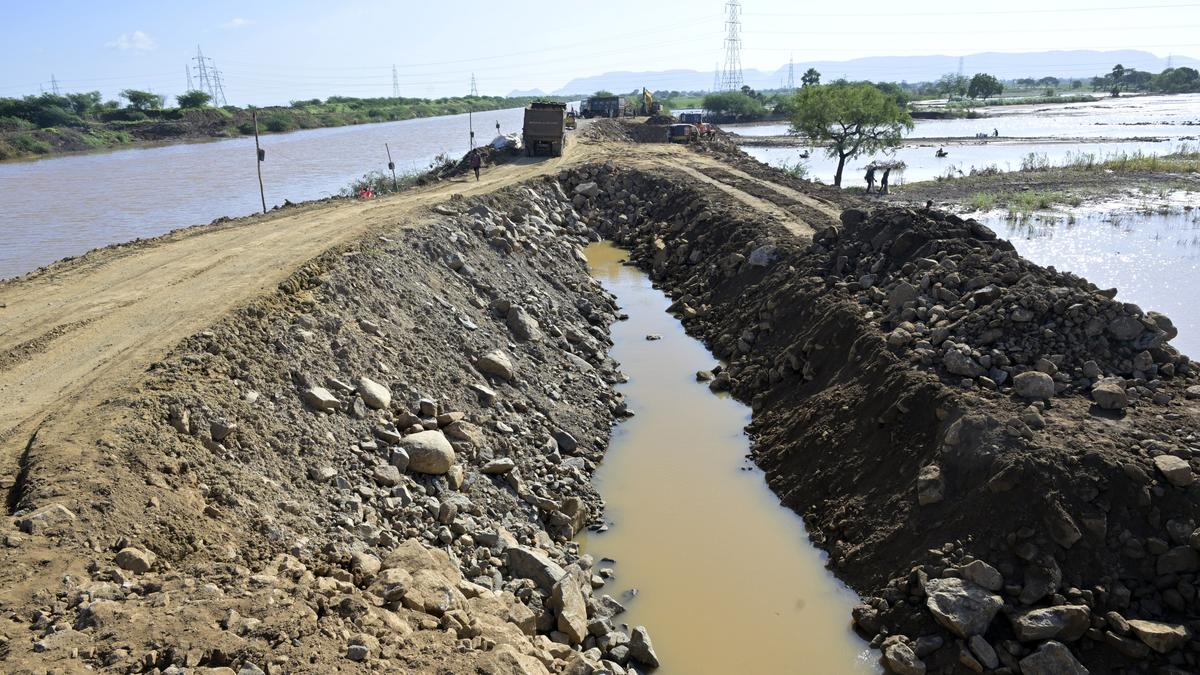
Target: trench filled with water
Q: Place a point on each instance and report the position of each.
(725, 577)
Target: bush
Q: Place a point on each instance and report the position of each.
(15, 124)
(277, 124)
(124, 115)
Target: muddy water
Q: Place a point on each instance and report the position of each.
(727, 580)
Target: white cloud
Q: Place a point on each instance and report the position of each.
(237, 22)
(136, 41)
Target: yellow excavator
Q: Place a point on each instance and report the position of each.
(649, 107)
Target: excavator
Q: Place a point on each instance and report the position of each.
(649, 107)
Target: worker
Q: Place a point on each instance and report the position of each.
(870, 178)
(476, 162)
(883, 188)
(995, 133)
(941, 152)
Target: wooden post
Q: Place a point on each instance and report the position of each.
(392, 166)
(259, 156)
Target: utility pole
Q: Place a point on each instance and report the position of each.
(54, 85)
(471, 111)
(261, 155)
(732, 80)
(395, 82)
(391, 166)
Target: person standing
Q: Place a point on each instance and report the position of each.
(476, 162)
(883, 187)
(870, 178)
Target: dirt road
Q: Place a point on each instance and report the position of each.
(74, 334)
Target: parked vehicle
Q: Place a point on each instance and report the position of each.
(682, 133)
(545, 128)
(603, 106)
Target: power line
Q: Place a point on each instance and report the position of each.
(732, 79)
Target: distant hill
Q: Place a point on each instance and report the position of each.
(1078, 63)
(523, 93)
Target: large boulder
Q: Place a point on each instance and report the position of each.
(1034, 384)
(1177, 471)
(900, 659)
(374, 394)
(1052, 658)
(321, 399)
(522, 324)
(960, 606)
(641, 649)
(530, 563)
(496, 363)
(1063, 622)
(566, 597)
(428, 452)
(1161, 637)
(1109, 394)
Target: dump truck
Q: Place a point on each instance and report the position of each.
(545, 128)
(603, 106)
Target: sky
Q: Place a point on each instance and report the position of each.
(274, 51)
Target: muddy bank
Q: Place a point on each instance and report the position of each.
(997, 455)
(379, 467)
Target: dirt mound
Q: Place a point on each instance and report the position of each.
(1071, 524)
(626, 131)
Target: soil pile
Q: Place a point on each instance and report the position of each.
(999, 456)
(380, 467)
(623, 130)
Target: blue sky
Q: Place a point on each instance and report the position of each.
(273, 51)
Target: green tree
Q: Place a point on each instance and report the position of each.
(142, 100)
(854, 119)
(1177, 80)
(951, 85)
(1115, 79)
(193, 99)
(602, 93)
(810, 77)
(736, 104)
(84, 103)
(984, 86)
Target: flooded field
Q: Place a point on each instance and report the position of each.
(1152, 257)
(727, 580)
(1149, 124)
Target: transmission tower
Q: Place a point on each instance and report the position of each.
(960, 66)
(395, 82)
(474, 88)
(54, 85)
(204, 83)
(791, 85)
(218, 97)
(716, 77)
(187, 71)
(731, 80)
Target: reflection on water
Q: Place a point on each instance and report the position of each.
(727, 580)
(1152, 258)
(68, 205)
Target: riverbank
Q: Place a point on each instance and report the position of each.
(163, 127)
(364, 441)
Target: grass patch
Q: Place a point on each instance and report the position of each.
(982, 201)
(1024, 100)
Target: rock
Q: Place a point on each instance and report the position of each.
(523, 326)
(374, 394)
(496, 363)
(322, 474)
(356, 653)
(1033, 384)
(1161, 637)
(958, 363)
(1052, 658)
(499, 466)
(983, 575)
(763, 255)
(930, 488)
(428, 451)
(641, 649)
(588, 189)
(566, 597)
(960, 606)
(386, 475)
(46, 518)
(1109, 394)
(900, 659)
(1192, 392)
(529, 563)
(566, 442)
(400, 459)
(1179, 560)
(1177, 471)
(1125, 327)
(983, 652)
(135, 560)
(901, 293)
(1063, 622)
(321, 399)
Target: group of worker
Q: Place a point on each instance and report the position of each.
(883, 181)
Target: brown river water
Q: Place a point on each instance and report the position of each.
(727, 579)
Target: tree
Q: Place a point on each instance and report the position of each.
(852, 118)
(84, 103)
(142, 100)
(810, 77)
(602, 93)
(983, 86)
(1114, 79)
(1177, 80)
(951, 85)
(733, 104)
(193, 99)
